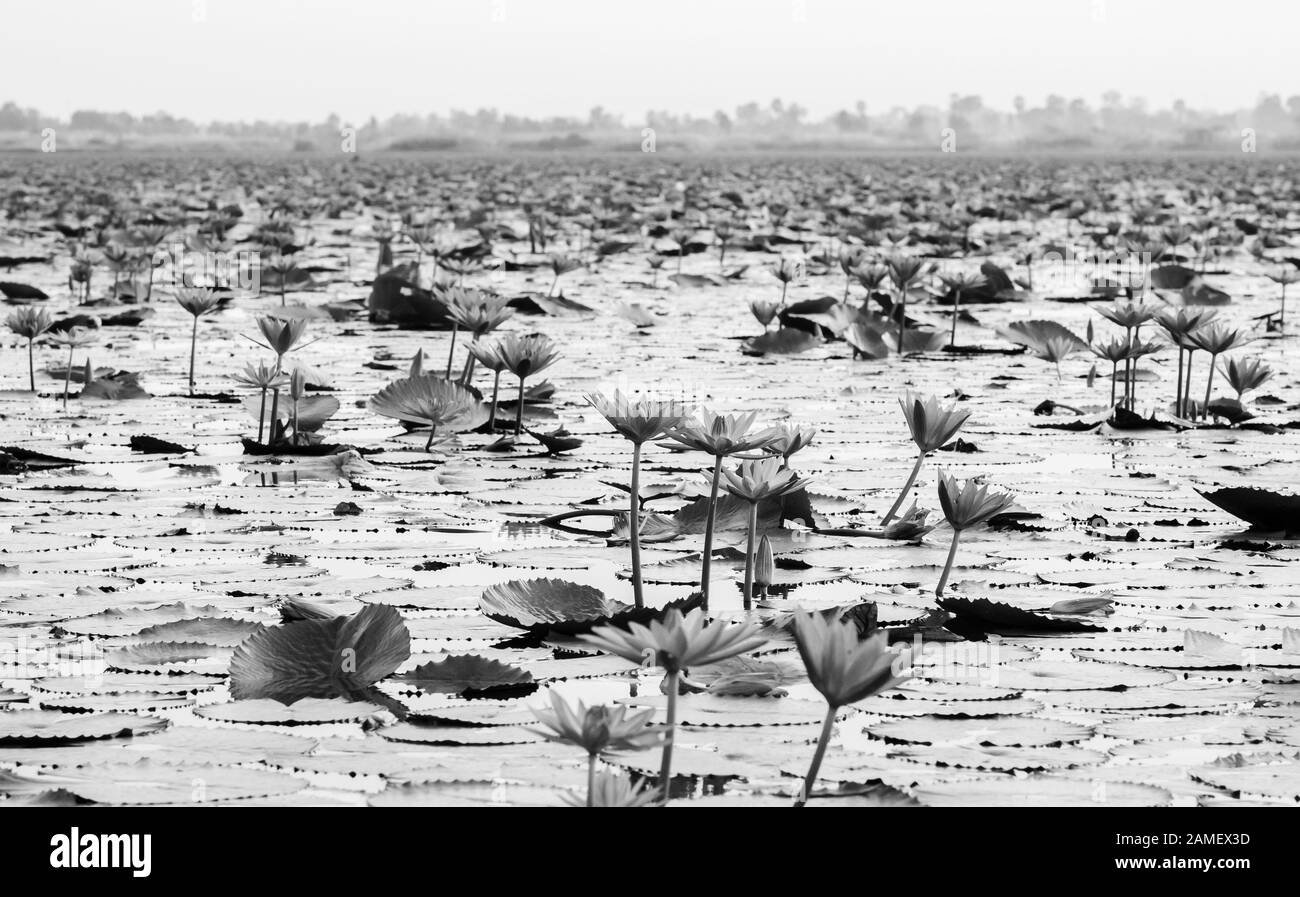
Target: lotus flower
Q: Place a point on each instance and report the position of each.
(786, 439)
(285, 269)
(524, 356)
(561, 265)
(1282, 277)
(676, 642)
(263, 377)
(198, 301)
(845, 669)
(489, 355)
(851, 257)
(1180, 325)
(73, 338)
(718, 435)
(932, 426)
(764, 310)
(478, 312)
(786, 271)
(960, 282)
(904, 271)
(428, 400)
(1129, 315)
(966, 505)
(609, 789)
(596, 730)
(1056, 349)
(1247, 374)
(1216, 340)
(281, 335)
(30, 323)
(638, 421)
(754, 482)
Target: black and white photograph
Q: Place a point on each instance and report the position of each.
(771, 404)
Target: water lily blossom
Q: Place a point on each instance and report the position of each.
(719, 435)
(966, 505)
(844, 669)
(755, 482)
(676, 642)
(596, 730)
(638, 421)
(932, 426)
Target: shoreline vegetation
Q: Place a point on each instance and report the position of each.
(967, 126)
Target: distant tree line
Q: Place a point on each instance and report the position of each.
(1059, 122)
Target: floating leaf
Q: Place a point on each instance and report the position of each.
(342, 657)
(459, 673)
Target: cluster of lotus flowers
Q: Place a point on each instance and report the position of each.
(905, 274)
(843, 667)
(764, 474)
(35, 324)
(1189, 330)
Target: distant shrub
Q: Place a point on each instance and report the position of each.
(424, 144)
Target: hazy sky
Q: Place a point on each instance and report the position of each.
(280, 59)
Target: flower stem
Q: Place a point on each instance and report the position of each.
(194, 339)
(666, 764)
(261, 415)
(956, 313)
(1209, 381)
(519, 410)
(31, 366)
(634, 525)
(67, 379)
(902, 320)
(275, 415)
(1178, 399)
(815, 767)
(907, 487)
(751, 554)
(591, 779)
(492, 413)
(947, 568)
(451, 352)
(708, 531)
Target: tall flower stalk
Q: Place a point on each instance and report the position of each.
(281, 337)
(638, 422)
(960, 282)
(932, 426)
(30, 323)
(966, 505)
(720, 436)
(844, 669)
(262, 377)
(524, 356)
(904, 271)
(1180, 326)
(74, 338)
(755, 482)
(198, 301)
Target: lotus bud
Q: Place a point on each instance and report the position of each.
(765, 566)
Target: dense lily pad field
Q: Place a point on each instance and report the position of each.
(1026, 560)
